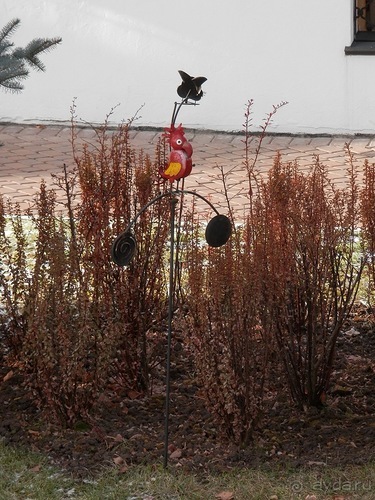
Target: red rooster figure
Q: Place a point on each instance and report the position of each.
(179, 163)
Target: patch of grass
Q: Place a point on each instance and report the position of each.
(25, 475)
(28, 475)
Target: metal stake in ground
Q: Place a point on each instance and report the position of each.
(173, 203)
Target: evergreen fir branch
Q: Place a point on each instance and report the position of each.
(10, 66)
(11, 76)
(13, 62)
(9, 30)
(12, 84)
(4, 46)
(33, 48)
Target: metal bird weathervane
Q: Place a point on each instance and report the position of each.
(191, 86)
(178, 166)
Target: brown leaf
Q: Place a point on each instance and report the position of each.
(103, 398)
(134, 394)
(36, 468)
(123, 469)
(118, 460)
(8, 376)
(33, 433)
(225, 495)
(176, 454)
(136, 437)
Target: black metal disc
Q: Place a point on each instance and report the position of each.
(218, 231)
(123, 249)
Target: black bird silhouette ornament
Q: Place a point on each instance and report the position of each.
(191, 86)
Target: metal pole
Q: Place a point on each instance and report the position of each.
(170, 317)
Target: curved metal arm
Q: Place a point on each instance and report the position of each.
(176, 110)
(194, 193)
(178, 106)
(176, 192)
(143, 209)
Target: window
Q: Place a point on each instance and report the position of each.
(365, 20)
(364, 28)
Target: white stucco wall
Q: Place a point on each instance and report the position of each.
(128, 52)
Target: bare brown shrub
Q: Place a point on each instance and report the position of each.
(276, 297)
(307, 258)
(228, 345)
(82, 322)
(231, 347)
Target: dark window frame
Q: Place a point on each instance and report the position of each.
(364, 28)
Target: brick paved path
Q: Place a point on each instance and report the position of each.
(32, 152)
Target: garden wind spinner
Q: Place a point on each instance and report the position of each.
(178, 166)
